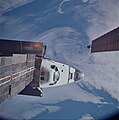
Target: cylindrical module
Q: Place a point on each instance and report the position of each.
(8, 47)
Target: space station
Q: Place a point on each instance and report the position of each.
(25, 70)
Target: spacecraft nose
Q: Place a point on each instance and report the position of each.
(78, 75)
(82, 75)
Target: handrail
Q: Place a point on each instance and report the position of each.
(16, 75)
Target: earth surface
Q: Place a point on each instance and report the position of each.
(66, 27)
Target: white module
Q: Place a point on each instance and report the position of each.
(54, 73)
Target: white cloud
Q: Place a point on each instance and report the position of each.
(103, 72)
(22, 30)
(102, 16)
(84, 1)
(87, 117)
(52, 109)
(65, 39)
(105, 22)
(60, 6)
(24, 103)
(66, 94)
(8, 5)
(29, 107)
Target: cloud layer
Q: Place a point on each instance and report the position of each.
(8, 5)
(60, 6)
(66, 43)
(101, 15)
